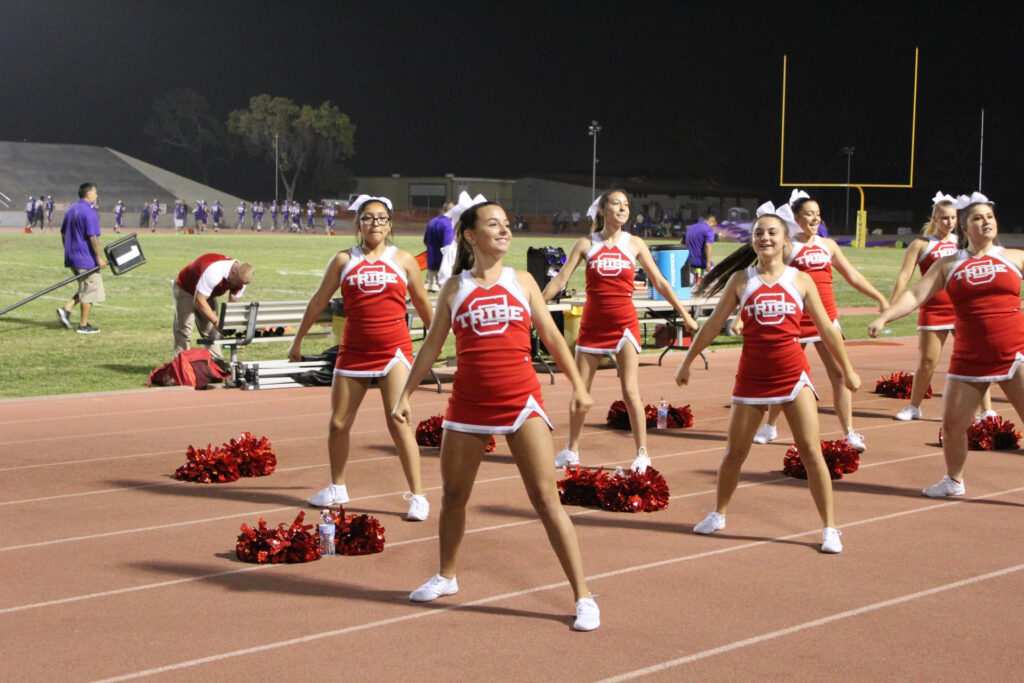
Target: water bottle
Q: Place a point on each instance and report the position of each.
(662, 414)
(326, 533)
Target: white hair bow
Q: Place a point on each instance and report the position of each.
(797, 194)
(963, 201)
(939, 197)
(465, 202)
(783, 211)
(592, 211)
(364, 198)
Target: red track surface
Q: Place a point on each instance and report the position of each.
(111, 568)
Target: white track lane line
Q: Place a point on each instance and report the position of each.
(764, 637)
(618, 572)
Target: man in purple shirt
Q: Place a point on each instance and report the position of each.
(699, 237)
(439, 233)
(80, 234)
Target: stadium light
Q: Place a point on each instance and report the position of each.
(594, 130)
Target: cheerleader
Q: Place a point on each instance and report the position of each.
(374, 278)
(610, 325)
(935, 317)
(490, 308)
(816, 256)
(983, 282)
(773, 371)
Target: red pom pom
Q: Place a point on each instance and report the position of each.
(992, 433)
(359, 535)
(491, 445)
(428, 432)
(634, 491)
(285, 544)
(840, 458)
(898, 385)
(622, 492)
(255, 457)
(678, 418)
(208, 465)
(582, 487)
(618, 416)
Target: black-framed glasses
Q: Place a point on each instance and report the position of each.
(370, 220)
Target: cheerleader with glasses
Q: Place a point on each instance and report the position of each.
(374, 277)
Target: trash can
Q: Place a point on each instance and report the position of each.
(337, 319)
(571, 326)
(674, 265)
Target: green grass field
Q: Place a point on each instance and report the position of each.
(40, 357)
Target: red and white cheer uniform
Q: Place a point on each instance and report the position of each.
(815, 258)
(937, 312)
(609, 316)
(376, 332)
(773, 367)
(989, 330)
(495, 388)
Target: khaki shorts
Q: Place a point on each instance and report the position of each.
(90, 289)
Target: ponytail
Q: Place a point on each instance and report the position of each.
(716, 278)
(929, 227)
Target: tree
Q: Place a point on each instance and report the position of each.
(182, 128)
(308, 137)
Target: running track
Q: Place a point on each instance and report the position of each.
(113, 570)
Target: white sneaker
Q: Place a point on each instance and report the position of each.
(766, 434)
(908, 413)
(565, 458)
(830, 542)
(642, 462)
(588, 615)
(419, 508)
(946, 487)
(334, 494)
(712, 523)
(857, 441)
(435, 587)
(986, 414)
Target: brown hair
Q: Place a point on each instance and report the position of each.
(464, 251)
(359, 215)
(602, 201)
(744, 257)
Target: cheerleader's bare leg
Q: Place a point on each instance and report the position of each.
(959, 401)
(532, 450)
(802, 416)
(929, 344)
(628, 361)
(461, 454)
(1014, 390)
(346, 395)
(842, 398)
(401, 432)
(587, 364)
(744, 420)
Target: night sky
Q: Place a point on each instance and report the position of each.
(681, 89)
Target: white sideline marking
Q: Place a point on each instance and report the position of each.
(506, 525)
(857, 611)
(618, 572)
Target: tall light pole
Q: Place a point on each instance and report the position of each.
(594, 130)
(848, 151)
(981, 148)
(276, 172)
